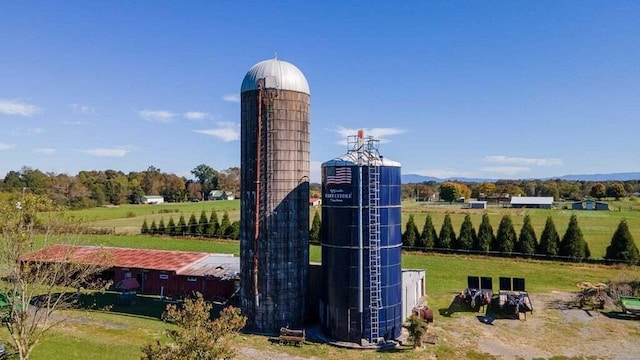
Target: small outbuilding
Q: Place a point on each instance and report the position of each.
(152, 199)
(477, 204)
(589, 204)
(532, 202)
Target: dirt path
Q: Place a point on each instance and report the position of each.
(553, 329)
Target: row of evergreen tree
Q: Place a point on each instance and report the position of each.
(204, 227)
(506, 241)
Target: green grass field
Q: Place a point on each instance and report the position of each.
(117, 334)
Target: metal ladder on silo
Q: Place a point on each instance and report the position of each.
(375, 297)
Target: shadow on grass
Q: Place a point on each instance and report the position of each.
(143, 306)
(457, 305)
(620, 315)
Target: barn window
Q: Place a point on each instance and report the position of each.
(192, 278)
(164, 276)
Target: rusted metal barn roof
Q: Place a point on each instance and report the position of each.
(216, 265)
(118, 257)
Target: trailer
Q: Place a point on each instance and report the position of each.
(630, 304)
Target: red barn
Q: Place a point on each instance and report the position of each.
(157, 272)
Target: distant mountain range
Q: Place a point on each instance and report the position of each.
(414, 178)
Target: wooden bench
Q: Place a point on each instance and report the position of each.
(290, 336)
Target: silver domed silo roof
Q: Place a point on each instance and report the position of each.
(351, 159)
(278, 74)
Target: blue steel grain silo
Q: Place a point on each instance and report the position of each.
(361, 293)
(274, 186)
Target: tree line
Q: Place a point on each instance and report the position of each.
(96, 188)
(558, 189)
(572, 246)
(205, 226)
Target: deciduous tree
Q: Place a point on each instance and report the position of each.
(616, 190)
(197, 337)
(598, 191)
(37, 285)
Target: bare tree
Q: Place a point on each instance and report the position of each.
(37, 284)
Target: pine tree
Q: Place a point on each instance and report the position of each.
(527, 241)
(314, 233)
(573, 244)
(154, 228)
(192, 228)
(225, 225)
(467, 236)
(506, 237)
(203, 224)
(182, 226)
(549, 240)
(410, 233)
(171, 230)
(234, 231)
(214, 224)
(145, 227)
(485, 235)
(161, 227)
(622, 246)
(447, 235)
(429, 236)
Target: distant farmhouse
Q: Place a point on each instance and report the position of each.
(152, 199)
(221, 195)
(589, 204)
(315, 201)
(532, 202)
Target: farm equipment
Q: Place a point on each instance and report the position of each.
(592, 296)
(478, 292)
(630, 304)
(513, 299)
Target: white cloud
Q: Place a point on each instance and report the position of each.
(505, 170)
(71, 122)
(104, 152)
(45, 151)
(196, 115)
(442, 173)
(380, 134)
(16, 107)
(82, 109)
(36, 131)
(226, 131)
(500, 159)
(231, 98)
(156, 115)
(4, 146)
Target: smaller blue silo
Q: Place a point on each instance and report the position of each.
(361, 292)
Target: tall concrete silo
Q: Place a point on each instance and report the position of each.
(274, 237)
(361, 293)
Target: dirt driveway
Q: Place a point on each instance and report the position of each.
(553, 329)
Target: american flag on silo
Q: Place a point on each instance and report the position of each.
(338, 175)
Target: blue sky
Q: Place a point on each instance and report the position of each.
(492, 89)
